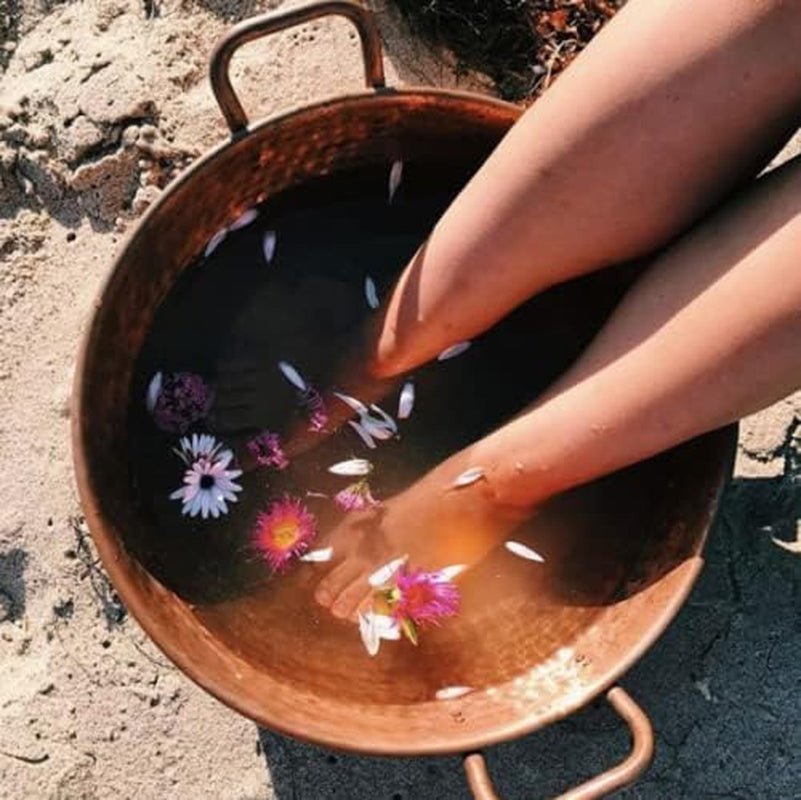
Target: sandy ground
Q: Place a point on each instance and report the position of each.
(101, 104)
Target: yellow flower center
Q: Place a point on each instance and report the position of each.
(286, 533)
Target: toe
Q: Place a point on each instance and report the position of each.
(331, 586)
(351, 598)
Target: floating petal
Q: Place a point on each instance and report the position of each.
(244, 219)
(521, 550)
(383, 575)
(353, 467)
(293, 376)
(406, 401)
(453, 351)
(388, 421)
(452, 692)
(376, 429)
(363, 435)
(268, 246)
(215, 242)
(449, 573)
(790, 547)
(319, 556)
(395, 176)
(387, 627)
(356, 405)
(468, 476)
(370, 293)
(369, 633)
(153, 392)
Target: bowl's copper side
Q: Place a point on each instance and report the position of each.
(286, 151)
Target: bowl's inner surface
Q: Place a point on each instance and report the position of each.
(231, 318)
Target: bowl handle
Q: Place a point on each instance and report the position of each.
(265, 24)
(622, 774)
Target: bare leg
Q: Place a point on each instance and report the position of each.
(709, 334)
(675, 103)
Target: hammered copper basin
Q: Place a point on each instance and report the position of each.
(652, 518)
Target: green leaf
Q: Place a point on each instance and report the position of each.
(409, 630)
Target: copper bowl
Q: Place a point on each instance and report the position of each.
(671, 500)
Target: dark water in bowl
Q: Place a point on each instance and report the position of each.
(232, 318)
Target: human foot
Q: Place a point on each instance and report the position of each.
(439, 521)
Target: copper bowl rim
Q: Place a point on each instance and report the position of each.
(113, 556)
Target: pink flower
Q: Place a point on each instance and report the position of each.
(283, 532)
(313, 403)
(180, 400)
(422, 597)
(266, 449)
(356, 497)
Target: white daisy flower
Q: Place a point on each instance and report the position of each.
(197, 446)
(208, 483)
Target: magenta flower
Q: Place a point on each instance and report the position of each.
(356, 497)
(178, 400)
(313, 404)
(266, 449)
(423, 597)
(283, 532)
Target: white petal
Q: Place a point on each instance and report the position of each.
(268, 246)
(369, 633)
(376, 429)
(523, 551)
(395, 175)
(370, 293)
(178, 494)
(316, 494)
(215, 242)
(449, 573)
(384, 574)
(406, 401)
(468, 476)
(453, 351)
(363, 435)
(386, 627)
(292, 375)
(205, 503)
(153, 392)
(353, 466)
(222, 461)
(244, 219)
(356, 405)
(452, 692)
(194, 508)
(388, 421)
(318, 556)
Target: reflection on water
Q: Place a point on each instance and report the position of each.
(233, 317)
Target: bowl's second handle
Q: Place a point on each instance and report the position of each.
(622, 774)
(266, 24)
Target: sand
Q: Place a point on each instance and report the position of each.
(101, 104)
